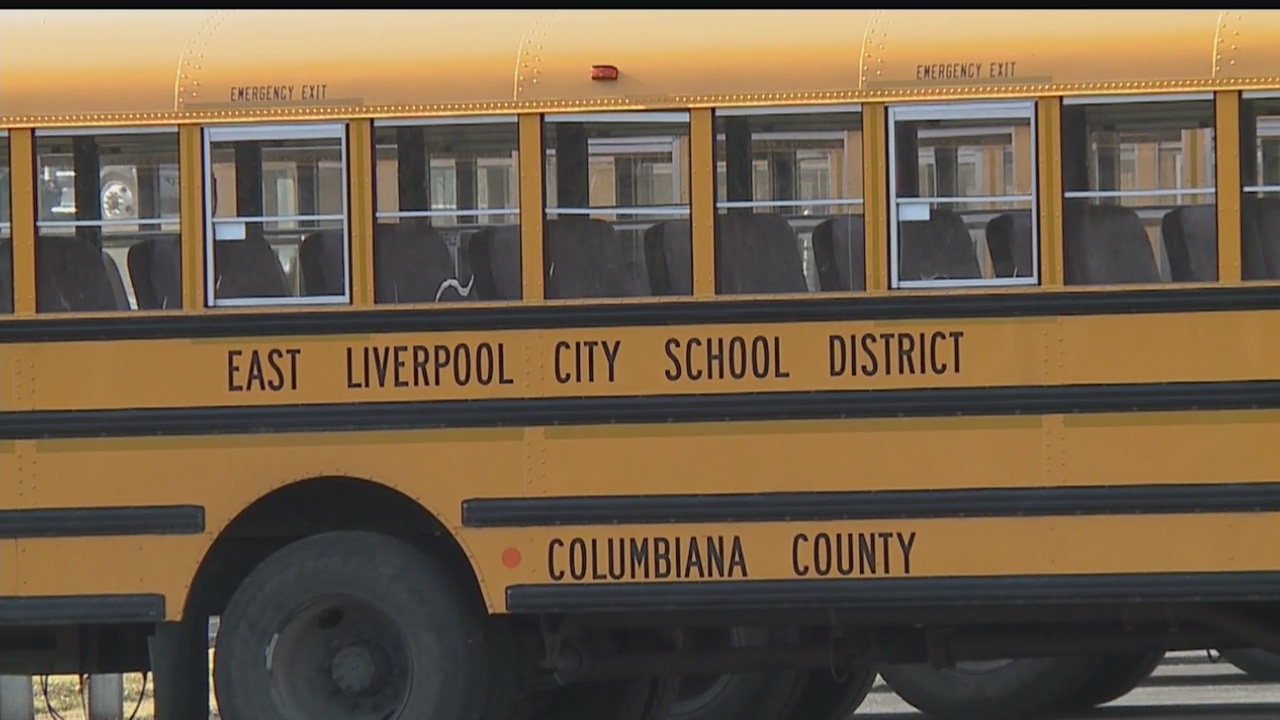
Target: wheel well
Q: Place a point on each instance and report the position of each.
(310, 507)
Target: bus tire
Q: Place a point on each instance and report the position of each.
(765, 695)
(403, 641)
(1017, 690)
(1257, 663)
(824, 697)
(636, 699)
(1114, 677)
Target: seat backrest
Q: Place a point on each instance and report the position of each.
(248, 268)
(1009, 242)
(1190, 238)
(72, 276)
(668, 251)
(1106, 245)
(155, 270)
(116, 281)
(412, 264)
(6, 276)
(586, 258)
(838, 252)
(939, 248)
(1260, 238)
(494, 251)
(320, 259)
(757, 253)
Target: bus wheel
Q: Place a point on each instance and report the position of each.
(1114, 677)
(744, 696)
(1257, 663)
(825, 697)
(639, 699)
(990, 690)
(348, 625)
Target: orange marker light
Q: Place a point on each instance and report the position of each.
(604, 72)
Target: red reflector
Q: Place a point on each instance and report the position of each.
(604, 72)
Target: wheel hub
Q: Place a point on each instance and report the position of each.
(361, 668)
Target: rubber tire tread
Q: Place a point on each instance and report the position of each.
(764, 695)
(1026, 688)
(1115, 677)
(406, 583)
(824, 698)
(1257, 663)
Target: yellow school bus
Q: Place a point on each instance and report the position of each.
(637, 364)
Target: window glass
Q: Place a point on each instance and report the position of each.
(1138, 181)
(107, 224)
(617, 216)
(6, 230)
(1260, 178)
(789, 200)
(448, 221)
(278, 230)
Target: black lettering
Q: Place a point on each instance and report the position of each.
(956, 335)
(870, 368)
(885, 537)
(661, 558)
(381, 364)
(837, 349)
(906, 543)
(351, 380)
(578, 559)
(906, 346)
(822, 554)
(400, 364)
(640, 558)
(553, 570)
(693, 560)
(737, 357)
(596, 572)
(738, 558)
(503, 379)
(866, 555)
(484, 364)
(611, 356)
(443, 360)
(462, 365)
(421, 359)
(233, 368)
(266, 370)
(937, 366)
(672, 373)
(798, 566)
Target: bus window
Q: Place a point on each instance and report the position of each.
(277, 199)
(1260, 178)
(107, 221)
(448, 200)
(6, 231)
(617, 218)
(963, 195)
(1138, 181)
(789, 200)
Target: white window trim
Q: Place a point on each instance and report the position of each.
(475, 212)
(638, 116)
(438, 121)
(315, 131)
(83, 132)
(788, 110)
(1129, 99)
(960, 111)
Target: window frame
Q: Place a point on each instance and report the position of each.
(8, 158)
(271, 132)
(1258, 95)
(980, 110)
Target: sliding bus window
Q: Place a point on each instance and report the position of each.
(448, 218)
(1260, 180)
(277, 202)
(6, 230)
(617, 216)
(789, 200)
(107, 220)
(1138, 181)
(963, 195)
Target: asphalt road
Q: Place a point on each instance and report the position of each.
(1187, 686)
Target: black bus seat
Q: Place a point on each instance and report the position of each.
(72, 276)
(839, 253)
(155, 270)
(320, 261)
(587, 258)
(1106, 245)
(668, 251)
(494, 252)
(757, 253)
(1009, 240)
(1260, 238)
(1190, 238)
(412, 264)
(248, 268)
(939, 248)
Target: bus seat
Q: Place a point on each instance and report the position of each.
(494, 251)
(1190, 237)
(248, 268)
(6, 276)
(757, 253)
(155, 270)
(1009, 242)
(116, 281)
(72, 276)
(1106, 245)
(939, 248)
(668, 250)
(838, 251)
(586, 258)
(1260, 236)
(411, 263)
(320, 260)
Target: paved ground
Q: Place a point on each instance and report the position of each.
(1186, 687)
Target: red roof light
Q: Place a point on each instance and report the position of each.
(604, 72)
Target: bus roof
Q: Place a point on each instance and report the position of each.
(133, 66)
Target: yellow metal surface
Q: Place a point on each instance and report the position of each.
(647, 361)
(247, 64)
(22, 185)
(362, 212)
(703, 204)
(191, 199)
(1049, 194)
(1227, 183)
